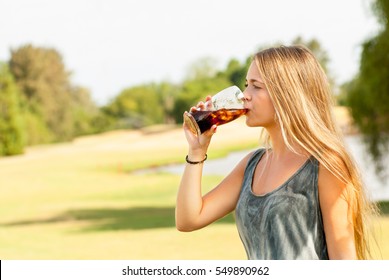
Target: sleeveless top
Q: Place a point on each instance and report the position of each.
(285, 223)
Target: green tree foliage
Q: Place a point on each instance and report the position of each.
(167, 93)
(368, 93)
(11, 122)
(138, 106)
(85, 114)
(41, 75)
(236, 72)
(55, 109)
(165, 102)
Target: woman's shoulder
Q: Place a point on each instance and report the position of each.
(254, 154)
(330, 185)
(251, 157)
(257, 152)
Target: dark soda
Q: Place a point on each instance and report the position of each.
(206, 119)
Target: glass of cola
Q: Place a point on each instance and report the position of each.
(225, 106)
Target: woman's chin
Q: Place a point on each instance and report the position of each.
(253, 123)
(249, 123)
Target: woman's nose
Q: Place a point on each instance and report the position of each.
(246, 96)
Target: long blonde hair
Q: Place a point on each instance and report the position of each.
(303, 103)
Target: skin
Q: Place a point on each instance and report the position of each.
(194, 211)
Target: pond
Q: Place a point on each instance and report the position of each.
(378, 189)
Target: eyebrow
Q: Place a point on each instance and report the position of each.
(255, 81)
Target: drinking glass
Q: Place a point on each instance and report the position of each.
(224, 107)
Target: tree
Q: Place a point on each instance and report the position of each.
(368, 95)
(41, 75)
(11, 122)
(55, 109)
(85, 113)
(135, 107)
(236, 72)
(167, 93)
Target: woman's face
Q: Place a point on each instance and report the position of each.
(257, 100)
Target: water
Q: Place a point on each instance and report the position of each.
(377, 189)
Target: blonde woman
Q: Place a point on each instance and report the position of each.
(300, 197)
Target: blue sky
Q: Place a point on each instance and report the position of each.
(112, 44)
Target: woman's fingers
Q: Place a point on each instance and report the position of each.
(203, 106)
(208, 103)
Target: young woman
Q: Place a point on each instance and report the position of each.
(300, 197)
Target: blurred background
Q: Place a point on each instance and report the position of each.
(91, 100)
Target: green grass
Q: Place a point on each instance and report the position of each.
(80, 201)
(132, 222)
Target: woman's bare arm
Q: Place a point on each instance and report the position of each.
(194, 211)
(338, 224)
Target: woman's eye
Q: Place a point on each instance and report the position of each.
(253, 85)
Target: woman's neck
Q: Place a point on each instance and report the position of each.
(280, 149)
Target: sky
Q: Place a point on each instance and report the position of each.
(109, 45)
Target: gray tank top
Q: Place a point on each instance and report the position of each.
(285, 223)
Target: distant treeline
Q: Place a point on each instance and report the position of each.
(39, 103)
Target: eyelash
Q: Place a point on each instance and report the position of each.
(246, 85)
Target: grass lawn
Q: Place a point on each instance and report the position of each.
(113, 217)
(79, 200)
